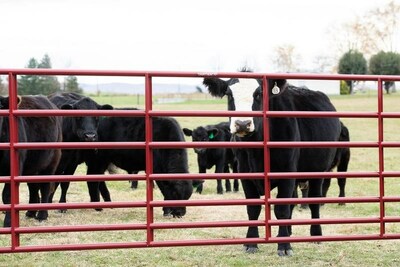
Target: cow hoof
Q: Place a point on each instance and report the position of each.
(62, 211)
(220, 192)
(285, 253)
(342, 204)
(98, 209)
(250, 249)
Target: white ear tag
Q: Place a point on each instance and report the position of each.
(275, 89)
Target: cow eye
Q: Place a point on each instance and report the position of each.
(257, 95)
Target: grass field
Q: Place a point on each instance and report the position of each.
(352, 253)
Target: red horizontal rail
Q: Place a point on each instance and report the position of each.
(167, 145)
(302, 76)
(205, 113)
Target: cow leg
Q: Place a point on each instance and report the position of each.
(63, 196)
(228, 186)
(94, 187)
(342, 184)
(33, 198)
(6, 196)
(235, 181)
(285, 190)
(69, 170)
(342, 167)
(314, 186)
(236, 185)
(94, 192)
(202, 169)
(325, 186)
(105, 194)
(199, 188)
(134, 185)
(44, 192)
(219, 168)
(253, 212)
(51, 195)
(304, 194)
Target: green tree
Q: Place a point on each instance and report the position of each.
(29, 84)
(34, 84)
(3, 88)
(385, 63)
(352, 62)
(48, 84)
(71, 85)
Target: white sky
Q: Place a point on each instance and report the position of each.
(207, 35)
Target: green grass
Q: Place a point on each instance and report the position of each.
(352, 253)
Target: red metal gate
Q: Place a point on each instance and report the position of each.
(15, 231)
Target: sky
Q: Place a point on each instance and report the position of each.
(175, 35)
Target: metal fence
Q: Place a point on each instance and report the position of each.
(16, 231)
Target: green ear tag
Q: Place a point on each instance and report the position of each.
(211, 136)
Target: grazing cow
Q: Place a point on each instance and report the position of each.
(247, 95)
(341, 162)
(131, 129)
(221, 158)
(77, 129)
(32, 162)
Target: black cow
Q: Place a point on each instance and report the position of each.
(77, 129)
(131, 129)
(341, 162)
(221, 158)
(247, 95)
(31, 162)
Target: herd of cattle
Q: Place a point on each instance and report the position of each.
(242, 95)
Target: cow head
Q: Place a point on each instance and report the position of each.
(201, 134)
(175, 190)
(85, 128)
(243, 95)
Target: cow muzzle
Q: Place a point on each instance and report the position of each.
(243, 127)
(90, 137)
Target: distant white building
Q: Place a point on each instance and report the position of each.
(327, 87)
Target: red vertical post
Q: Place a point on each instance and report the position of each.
(267, 167)
(381, 158)
(149, 157)
(14, 159)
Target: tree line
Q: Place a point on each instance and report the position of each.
(382, 63)
(42, 84)
(365, 45)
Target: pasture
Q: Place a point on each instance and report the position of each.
(352, 253)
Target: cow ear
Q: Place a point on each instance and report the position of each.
(67, 106)
(212, 133)
(4, 102)
(106, 107)
(187, 131)
(276, 87)
(216, 87)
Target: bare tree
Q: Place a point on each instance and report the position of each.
(286, 58)
(323, 64)
(370, 33)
